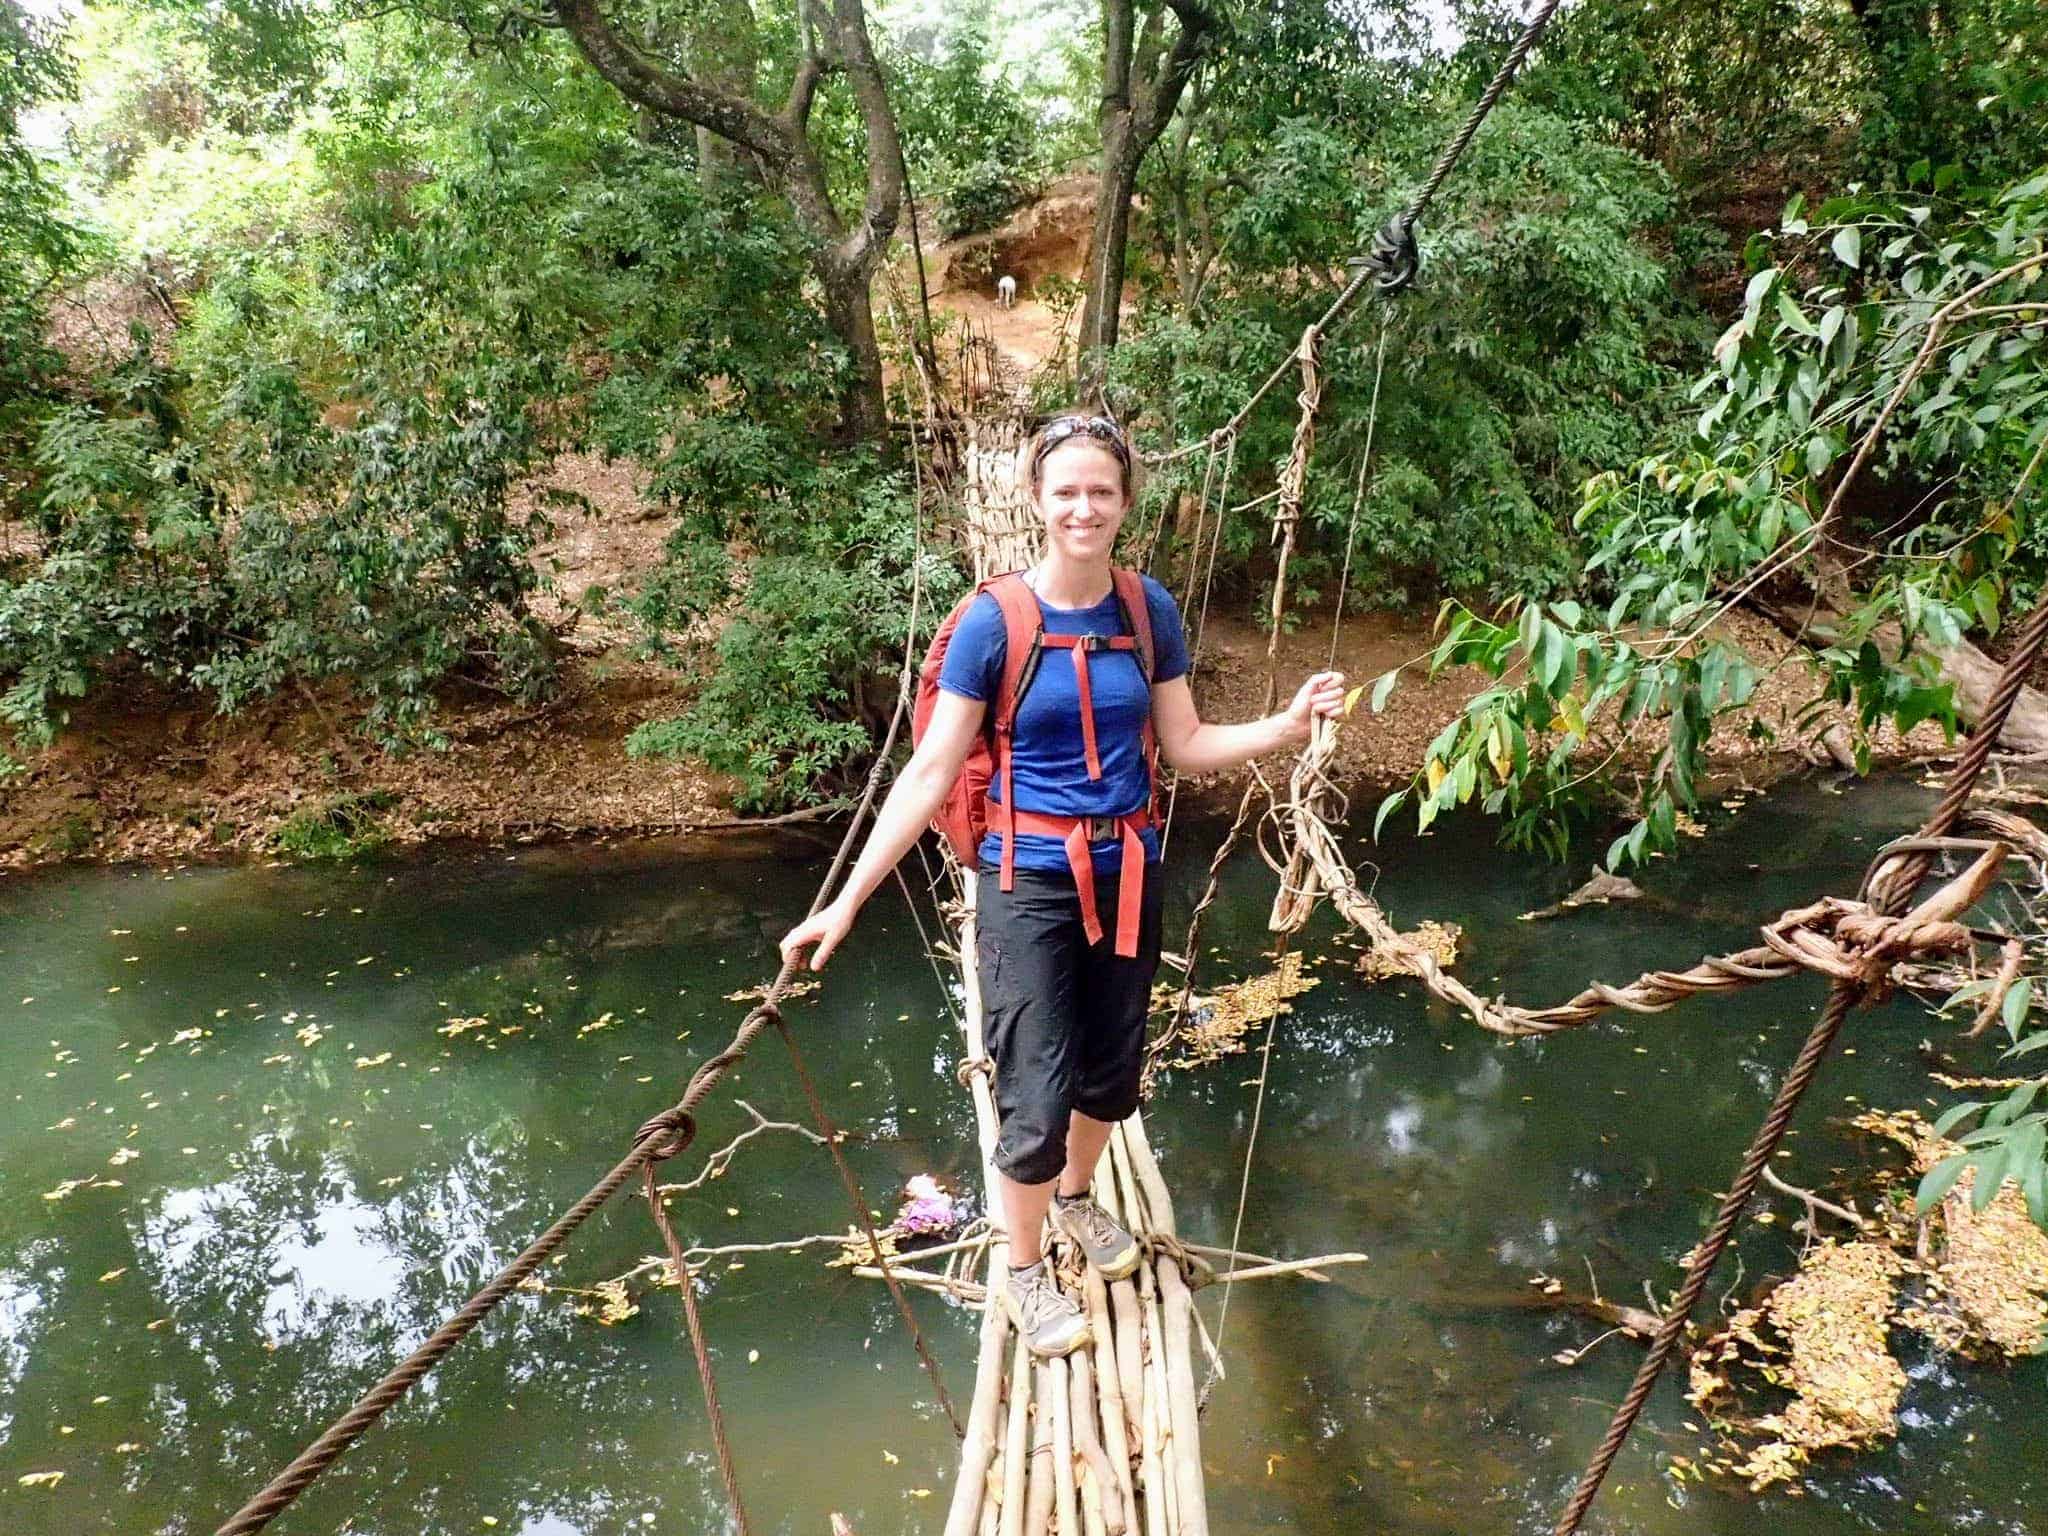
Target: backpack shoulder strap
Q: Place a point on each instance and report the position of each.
(1129, 587)
(1022, 626)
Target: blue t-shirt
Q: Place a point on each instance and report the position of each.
(1049, 766)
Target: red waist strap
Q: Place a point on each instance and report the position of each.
(1078, 832)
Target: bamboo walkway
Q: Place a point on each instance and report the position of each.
(1106, 1440)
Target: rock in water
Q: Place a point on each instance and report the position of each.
(1598, 891)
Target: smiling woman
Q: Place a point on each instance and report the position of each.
(1072, 757)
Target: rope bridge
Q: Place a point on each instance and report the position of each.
(1107, 1442)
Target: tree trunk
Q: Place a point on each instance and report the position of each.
(1108, 242)
(1972, 674)
(863, 407)
(1142, 81)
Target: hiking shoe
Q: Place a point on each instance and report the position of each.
(1049, 1319)
(1107, 1246)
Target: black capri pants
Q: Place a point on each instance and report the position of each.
(1063, 1019)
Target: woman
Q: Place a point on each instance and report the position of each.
(1064, 1002)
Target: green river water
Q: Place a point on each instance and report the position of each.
(282, 1203)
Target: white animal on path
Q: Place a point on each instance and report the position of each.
(1006, 291)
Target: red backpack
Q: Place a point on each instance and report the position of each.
(964, 818)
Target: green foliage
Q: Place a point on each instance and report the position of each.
(38, 246)
(1530, 356)
(2011, 1140)
(1914, 325)
(1744, 95)
(345, 827)
(809, 627)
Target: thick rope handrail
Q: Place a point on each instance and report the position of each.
(1833, 938)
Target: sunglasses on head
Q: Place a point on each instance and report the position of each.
(1100, 428)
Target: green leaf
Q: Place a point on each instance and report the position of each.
(1939, 1180)
(2017, 1000)
(1387, 807)
(1848, 246)
(1381, 689)
(1790, 312)
(1954, 1115)
(1991, 1167)
(1753, 296)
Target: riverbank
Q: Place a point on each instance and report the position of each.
(151, 778)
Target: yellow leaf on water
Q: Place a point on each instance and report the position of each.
(40, 1479)
(920, 1493)
(891, 1457)
(113, 1274)
(372, 1061)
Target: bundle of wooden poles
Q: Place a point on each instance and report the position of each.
(1105, 1440)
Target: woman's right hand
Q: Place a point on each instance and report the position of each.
(823, 929)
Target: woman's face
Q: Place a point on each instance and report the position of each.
(1081, 498)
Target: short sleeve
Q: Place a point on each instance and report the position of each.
(973, 665)
(1169, 640)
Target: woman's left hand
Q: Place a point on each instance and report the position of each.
(1322, 694)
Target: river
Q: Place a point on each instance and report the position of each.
(250, 1159)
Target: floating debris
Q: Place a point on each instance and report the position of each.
(1974, 1283)
(1218, 1021)
(801, 987)
(927, 1208)
(1987, 1285)
(1441, 940)
(1822, 1337)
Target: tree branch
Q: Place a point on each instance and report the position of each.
(648, 84)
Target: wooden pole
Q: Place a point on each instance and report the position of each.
(963, 1517)
(1017, 1441)
(1060, 1395)
(1102, 1512)
(1116, 1436)
(1038, 1488)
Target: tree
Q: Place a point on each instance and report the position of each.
(1145, 68)
(844, 256)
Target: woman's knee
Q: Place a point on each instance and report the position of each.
(1031, 1146)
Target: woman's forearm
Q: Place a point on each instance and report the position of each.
(1213, 748)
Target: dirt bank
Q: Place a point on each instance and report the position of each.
(151, 777)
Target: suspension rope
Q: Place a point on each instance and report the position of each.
(1372, 418)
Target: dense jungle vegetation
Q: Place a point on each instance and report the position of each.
(387, 261)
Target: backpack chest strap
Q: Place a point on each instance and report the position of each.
(1078, 647)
